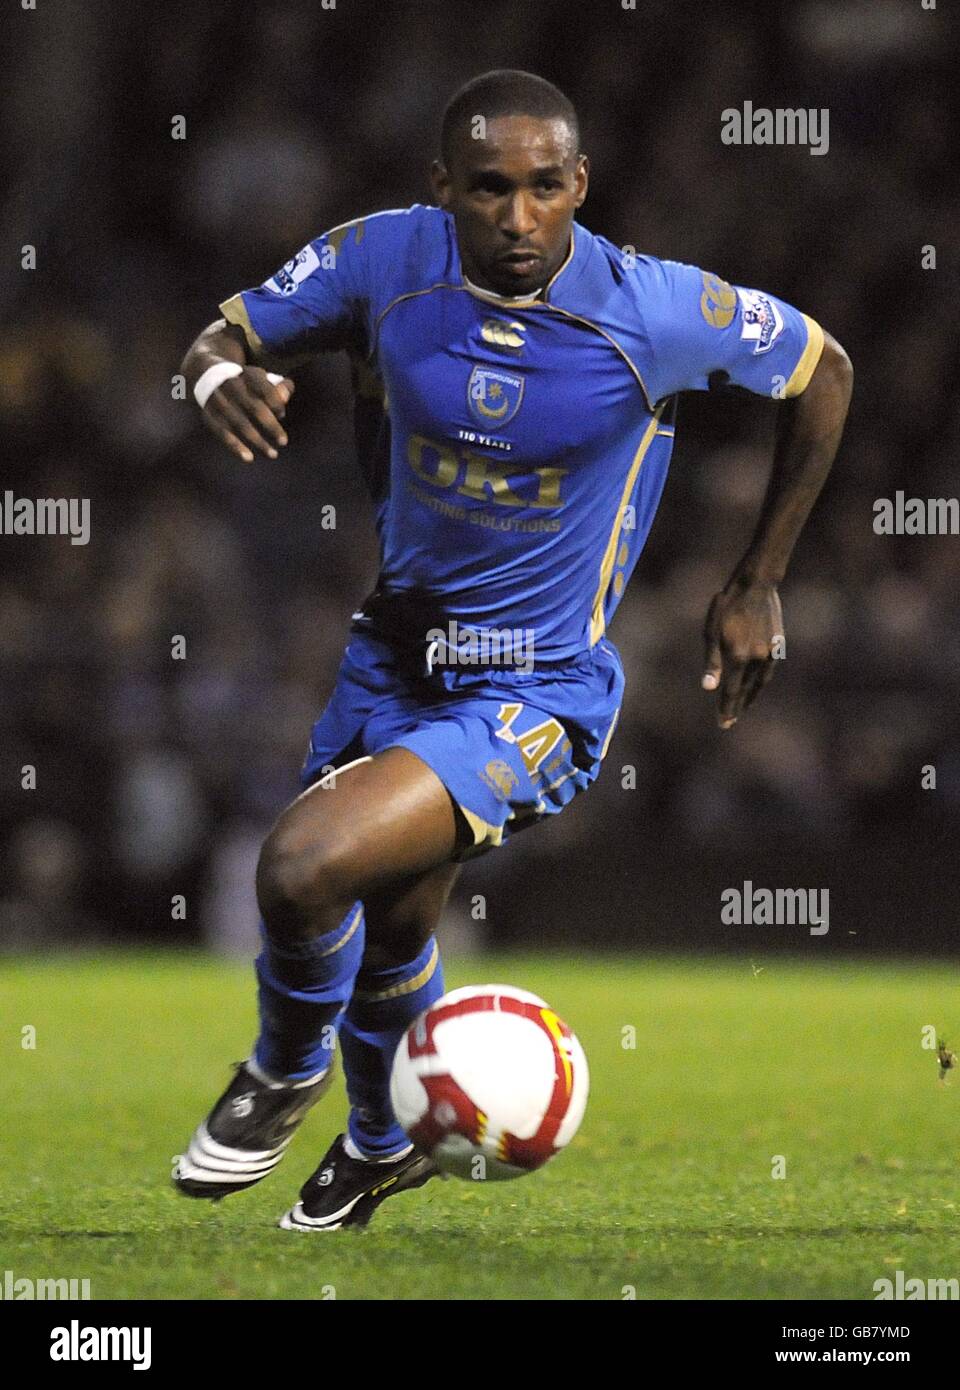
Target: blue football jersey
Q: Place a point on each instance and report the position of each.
(516, 450)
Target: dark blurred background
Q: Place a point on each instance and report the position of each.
(158, 777)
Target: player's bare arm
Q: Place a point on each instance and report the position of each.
(745, 618)
(245, 410)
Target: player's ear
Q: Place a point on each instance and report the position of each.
(440, 182)
(582, 180)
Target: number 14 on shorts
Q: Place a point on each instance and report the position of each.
(535, 744)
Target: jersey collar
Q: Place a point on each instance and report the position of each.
(508, 301)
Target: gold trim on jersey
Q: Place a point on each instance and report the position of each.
(578, 318)
(805, 368)
(338, 235)
(409, 294)
(558, 273)
(235, 311)
(597, 620)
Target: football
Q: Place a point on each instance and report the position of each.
(490, 1082)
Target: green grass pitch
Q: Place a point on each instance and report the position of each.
(667, 1190)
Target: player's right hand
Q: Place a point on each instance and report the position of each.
(743, 631)
(245, 413)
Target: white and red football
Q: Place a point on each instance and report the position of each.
(489, 1082)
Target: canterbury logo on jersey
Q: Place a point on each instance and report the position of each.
(483, 479)
(500, 334)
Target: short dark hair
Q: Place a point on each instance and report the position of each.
(505, 92)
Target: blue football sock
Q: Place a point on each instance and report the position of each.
(384, 1004)
(303, 992)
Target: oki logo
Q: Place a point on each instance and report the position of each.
(483, 479)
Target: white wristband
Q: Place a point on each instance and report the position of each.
(208, 381)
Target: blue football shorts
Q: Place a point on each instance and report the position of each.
(510, 746)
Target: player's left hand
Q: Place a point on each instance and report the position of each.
(743, 623)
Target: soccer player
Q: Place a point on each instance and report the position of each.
(515, 379)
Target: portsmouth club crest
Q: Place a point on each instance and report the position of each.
(494, 396)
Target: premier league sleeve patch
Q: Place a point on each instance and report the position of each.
(762, 322)
(287, 279)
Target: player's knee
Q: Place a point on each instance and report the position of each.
(299, 880)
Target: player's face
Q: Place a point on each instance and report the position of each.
(513, 196)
